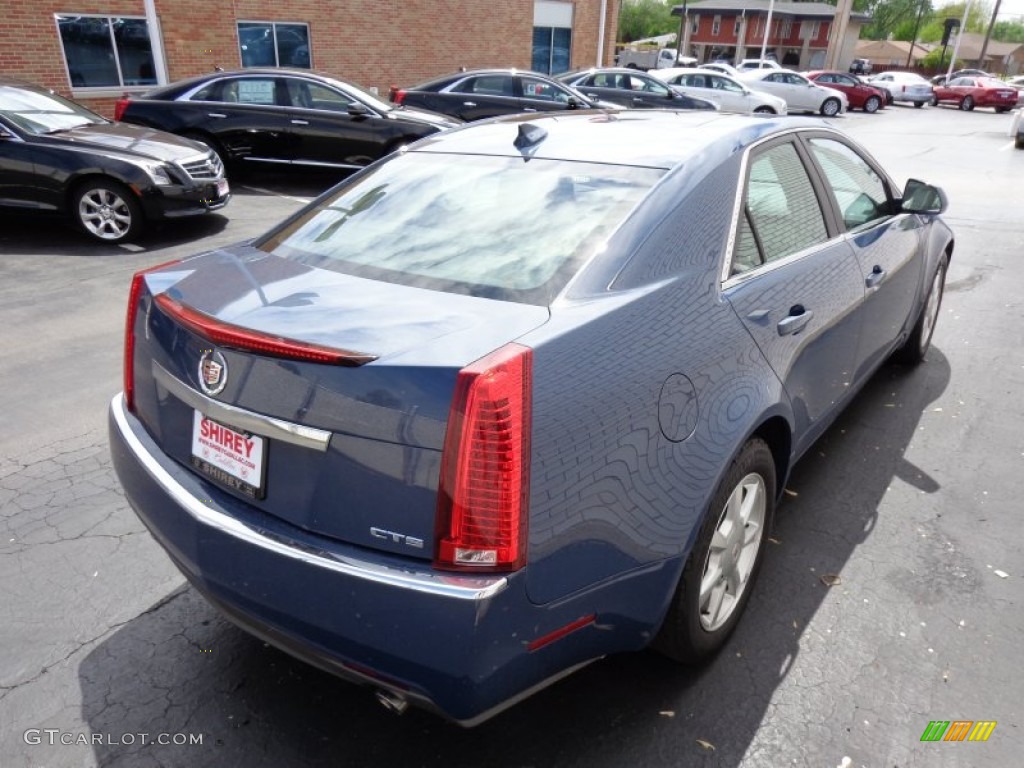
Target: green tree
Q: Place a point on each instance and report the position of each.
(936, 61)
(646, 18)
(1008, 32)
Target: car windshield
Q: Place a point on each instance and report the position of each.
(499, 227)
(39, 112)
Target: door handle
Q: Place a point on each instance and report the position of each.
(469, 103)
(875, 278)
(529, 109)
(300, 122)
(218, 115)
(795, 322)
(637, 100)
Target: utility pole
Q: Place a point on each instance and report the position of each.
(917, 26)
(988, 36)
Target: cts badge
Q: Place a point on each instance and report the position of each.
(213, 372)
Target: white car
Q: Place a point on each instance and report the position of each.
(749, 64)
(720, 66)
(904, 86)
(728, 93)
(799, 93)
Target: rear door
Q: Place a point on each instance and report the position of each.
(481, 96)
(795, 285)
(887, 244)
(245, 114)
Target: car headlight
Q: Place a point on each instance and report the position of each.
(158, 172)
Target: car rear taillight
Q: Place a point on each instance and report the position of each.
(245, 339)
(397, 95)
(134, 294)
(120, 106)
(482, 500)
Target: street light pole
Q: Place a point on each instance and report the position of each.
(679, 37)
(767, 29)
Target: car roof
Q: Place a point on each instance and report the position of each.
(188, 82)
(482, 71)
(647, 138)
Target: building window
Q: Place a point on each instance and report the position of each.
(695, 24)
(552, 36)
(716, 26)
(787, 29)
(551, 49)
(106, 51)
(812, 34)
(272, 44)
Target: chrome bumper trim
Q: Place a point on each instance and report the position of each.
(453, 585)
(247, 421)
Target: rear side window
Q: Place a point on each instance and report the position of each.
(781, 212)
(480, 225)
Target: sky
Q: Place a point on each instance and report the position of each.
(1010, 10)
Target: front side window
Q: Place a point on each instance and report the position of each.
(273, 44)
(781, 214)
(480, 225)
(106, 51)
(859, 191)
(542, 90)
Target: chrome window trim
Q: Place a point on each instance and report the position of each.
(448, 585)
(233, 416)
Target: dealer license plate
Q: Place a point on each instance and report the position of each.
(222, 187)
(235, 459)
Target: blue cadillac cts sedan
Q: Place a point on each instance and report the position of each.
(520, 396)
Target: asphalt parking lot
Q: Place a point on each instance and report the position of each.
(891, 596)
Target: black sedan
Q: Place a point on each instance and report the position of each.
(631, 89)
(58, 157)
(280, 116)
(483, 93)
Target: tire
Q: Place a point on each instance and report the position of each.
(889, 100)
(967, 104)
(731, 543)
(935, 101)
(1002, 110)
(918, 104)
(1019, 142)
(914, 349)
(830, 107)
(764, 110)
(106, 210)
(872, 104)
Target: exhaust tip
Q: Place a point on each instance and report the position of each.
(392, 702)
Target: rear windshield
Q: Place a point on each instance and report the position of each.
(497, 227)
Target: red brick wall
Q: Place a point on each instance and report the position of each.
(371, 42)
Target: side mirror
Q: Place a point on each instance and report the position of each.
(919, 197)
(357, 110)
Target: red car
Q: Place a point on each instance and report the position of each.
(971, 92)
(860, 96)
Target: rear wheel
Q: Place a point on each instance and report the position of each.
(918, 104)
(830, 107)
(967, 104)
(763, 110)
(889, 101)
(935, 101)
(872, 104)
(717, 578)
(916, 346)
(1002, 110)
(106, 210)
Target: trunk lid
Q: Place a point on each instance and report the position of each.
(373, 479)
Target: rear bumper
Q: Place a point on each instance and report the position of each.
(452, 643)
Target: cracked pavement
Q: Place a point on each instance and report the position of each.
(908, 499)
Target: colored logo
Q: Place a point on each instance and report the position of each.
(958, 730)
(213, 372)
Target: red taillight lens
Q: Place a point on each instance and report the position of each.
(398, 96)
(482, 501)
(120, 106)
(134, 294)
(237, 337)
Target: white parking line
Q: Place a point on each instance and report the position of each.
(263, 191)
(132, 247)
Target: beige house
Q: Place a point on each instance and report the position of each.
(1003, 58)
(892, 53)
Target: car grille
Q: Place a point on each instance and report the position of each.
(208, 168)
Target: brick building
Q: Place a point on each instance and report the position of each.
(95, 50)
(800, 34)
